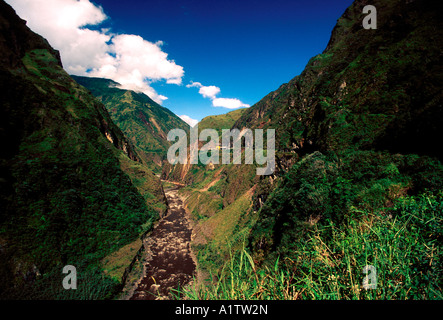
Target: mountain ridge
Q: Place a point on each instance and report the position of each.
(321, 93)
(143, 121)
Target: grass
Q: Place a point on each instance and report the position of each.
(115, 264)
(403, 244)
(220, 122)
(146, 183)
(240, 279)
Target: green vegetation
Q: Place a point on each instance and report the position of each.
(147, 184)
(359, 176)
(328, 218)
(404, 244)
(226, 226)
(220, 122)
(329, 187)
(143, 121)
(65, 195)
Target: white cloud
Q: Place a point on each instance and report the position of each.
(206, 91)
(189, 120)
(194, 84)
(211, 93)
(229, 103)
(128, 59)
(137, 63)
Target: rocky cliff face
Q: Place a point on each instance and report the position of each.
(16, 40)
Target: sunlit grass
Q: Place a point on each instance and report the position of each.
(402, 244)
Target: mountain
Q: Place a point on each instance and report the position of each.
(73, 188)
(369, 100)
(143, 121)
(369, 89)
(359, 126)
(358, 172)
(220, 122)
(357, 187)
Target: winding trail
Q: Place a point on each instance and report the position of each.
(169, 262)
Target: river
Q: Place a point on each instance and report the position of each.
(169, 263)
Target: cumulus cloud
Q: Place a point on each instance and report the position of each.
(137, 62)
(229, 103)
(211, 93)
(189, 120)
(128, 59)
(206, 91)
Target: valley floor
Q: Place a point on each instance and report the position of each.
(168, 261)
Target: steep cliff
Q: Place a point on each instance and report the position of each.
(359, 124)
(64, 197)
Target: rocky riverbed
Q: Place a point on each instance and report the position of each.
(168, 258)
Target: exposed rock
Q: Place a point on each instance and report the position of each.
(169, 263)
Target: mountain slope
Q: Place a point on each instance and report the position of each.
(359, 123)
(220, 122)
(358, 179)
(142, 120)
(64, 196)
(369, 88)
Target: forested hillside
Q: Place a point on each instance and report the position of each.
(68, 179)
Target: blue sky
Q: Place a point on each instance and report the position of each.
(246, 48)
(234, 51)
